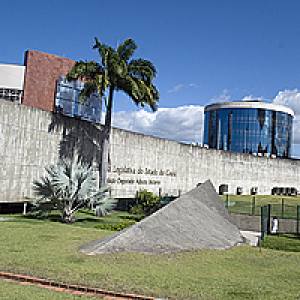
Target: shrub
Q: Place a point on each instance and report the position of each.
(134, 217)
(146, 203)
(115, 226)
(68, 187)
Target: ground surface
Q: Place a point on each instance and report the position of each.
(49, 249)
(284, 242)
(13, 291)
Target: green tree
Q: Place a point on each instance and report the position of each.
(116, 71)
(69, 186)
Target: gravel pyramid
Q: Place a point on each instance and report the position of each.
(196, 220)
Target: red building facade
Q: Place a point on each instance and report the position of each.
(42, 72)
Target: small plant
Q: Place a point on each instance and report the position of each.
(146, 203)
(135, 217)
(166, 200)
(115, 227)
(68, 187)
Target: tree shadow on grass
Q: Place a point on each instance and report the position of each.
(82, 220)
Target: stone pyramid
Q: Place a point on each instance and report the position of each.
(196, 220)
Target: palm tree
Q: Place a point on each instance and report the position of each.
(68, 187)
(116, 71)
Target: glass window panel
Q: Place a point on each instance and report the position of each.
(249, 130)
(68, 101)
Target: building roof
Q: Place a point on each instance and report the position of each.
(250, 104)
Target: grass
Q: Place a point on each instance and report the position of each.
(14, 291)
(50, 249)
(87, 219)
(281, 206)
(284, 242)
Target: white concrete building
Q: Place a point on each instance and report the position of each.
(11, 82)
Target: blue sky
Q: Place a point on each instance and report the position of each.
(204, 51)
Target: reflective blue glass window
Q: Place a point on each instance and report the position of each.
(67, 101)
(253, 130)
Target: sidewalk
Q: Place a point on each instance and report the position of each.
(252, 237)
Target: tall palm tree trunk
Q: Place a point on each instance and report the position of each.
(103, 165)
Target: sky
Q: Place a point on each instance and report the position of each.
(204, 51)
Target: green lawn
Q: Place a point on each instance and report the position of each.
(117, 220)
(50, 249)
(14, 291)
(282, 206)
(286, 242)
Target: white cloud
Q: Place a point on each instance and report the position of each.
(183, 123)
(222, 97)
(193, 85)
(176, 88)
(291, 98)
(252, 98)
(181, 86)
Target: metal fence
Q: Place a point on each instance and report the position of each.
(257, 216)
(280, 225)
(284, 208)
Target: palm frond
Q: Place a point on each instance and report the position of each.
(86, 70)
(116, 70)
(141, 92)
(44, 189)
(102, 48)
(126, 49)
(102, 82)
(142, 69)
(70, 184)
(104, 52)
(89, 88)
(130, 86)
(103, 208)
(116, 67)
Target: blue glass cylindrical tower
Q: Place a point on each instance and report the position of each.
(254, 127)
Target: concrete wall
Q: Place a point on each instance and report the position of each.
(31, 139)
(189, 165)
